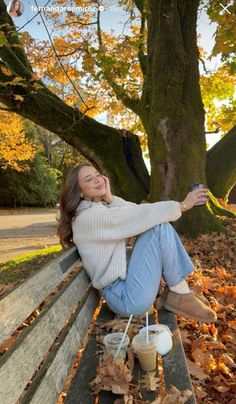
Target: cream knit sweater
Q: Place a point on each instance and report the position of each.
(100, 232)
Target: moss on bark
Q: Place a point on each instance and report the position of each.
(217, 209)
(221, 165)
(176, 135)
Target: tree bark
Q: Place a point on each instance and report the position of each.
(221, 165)
(176, 137)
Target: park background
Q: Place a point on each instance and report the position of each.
(97, 84)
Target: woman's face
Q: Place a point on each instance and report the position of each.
(92, 184)
(17, 6)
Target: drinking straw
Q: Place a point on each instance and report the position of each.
(124, 334)
(147, 327)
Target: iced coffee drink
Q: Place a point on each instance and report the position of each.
(146, 350)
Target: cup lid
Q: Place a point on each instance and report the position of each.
(156, 328)
(114, 339)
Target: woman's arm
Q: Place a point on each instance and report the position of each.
(129, 220)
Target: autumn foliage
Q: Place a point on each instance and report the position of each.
(15, 148)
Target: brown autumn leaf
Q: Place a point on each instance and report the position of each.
(221, 388)
(112, 376)
(229, 291)
(173, 395)
(116, 325)
(196, 371)
(149, 381)
(227, 360)
(119, 325)
(130, 361)
(200, 392)
(134, 397)
(126, 399)
(185, 336)
(204, 359)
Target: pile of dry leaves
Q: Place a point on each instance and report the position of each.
(210, 349)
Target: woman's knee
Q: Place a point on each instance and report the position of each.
(138, 306)
(163, 227)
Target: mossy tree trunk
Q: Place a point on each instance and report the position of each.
(221, 165)
(176, 135)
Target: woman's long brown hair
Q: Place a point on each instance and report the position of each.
(69, 201)
(12, 8)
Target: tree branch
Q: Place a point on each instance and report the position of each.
(140, 6)
(214, 131)
(120, 92)
(142, 57)
(15, 64)
(203, 65)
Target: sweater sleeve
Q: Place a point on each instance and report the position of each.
(117, 223)
(117, 201)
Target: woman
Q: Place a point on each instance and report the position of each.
(100, 225)
(15, 9)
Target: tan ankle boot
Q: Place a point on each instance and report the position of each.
(200, 297)
(189, 306)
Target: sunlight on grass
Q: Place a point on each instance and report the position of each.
(23, 265)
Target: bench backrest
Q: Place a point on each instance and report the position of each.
(58, 303)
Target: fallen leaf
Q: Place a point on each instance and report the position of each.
(199, 392)
(196, 371)
(173, 396)
(204, 359)
(221, 389)
(184, 337)
(149, 381)
(112, 376)
(130, 361)
(227, 360)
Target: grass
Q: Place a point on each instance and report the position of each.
(24, 265)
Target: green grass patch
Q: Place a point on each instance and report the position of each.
(24, 265)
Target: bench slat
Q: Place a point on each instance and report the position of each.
(18, 365)
(175, 366)
(50, 380)
(79, 391)
(25, 298)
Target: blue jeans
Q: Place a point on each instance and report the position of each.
(157, 253)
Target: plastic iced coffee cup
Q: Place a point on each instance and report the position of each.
(112, 343)
(146, 351)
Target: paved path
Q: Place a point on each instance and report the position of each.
(23, 231)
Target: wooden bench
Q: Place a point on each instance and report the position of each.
(43, 322)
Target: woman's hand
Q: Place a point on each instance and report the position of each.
(108, 196)
(193, 197)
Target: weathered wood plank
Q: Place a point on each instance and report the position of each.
(18, 365)
(79, 391)
(50, 380)
(175, 366)
(25, 298)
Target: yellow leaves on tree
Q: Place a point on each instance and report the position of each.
(15, 149)
(218, 97)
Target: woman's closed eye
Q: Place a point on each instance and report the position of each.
(90, 178)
